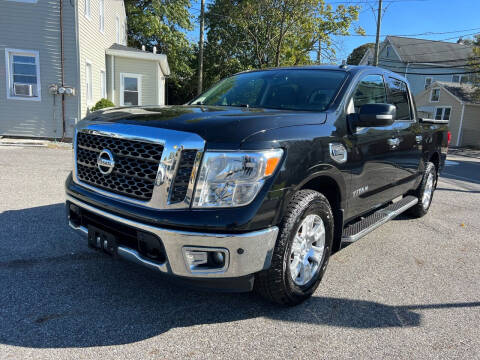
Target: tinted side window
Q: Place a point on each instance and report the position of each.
(370, 90)
(399, 97)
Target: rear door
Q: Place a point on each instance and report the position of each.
(407, 156)
(372, 157)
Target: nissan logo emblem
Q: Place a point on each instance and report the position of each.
(105, 162)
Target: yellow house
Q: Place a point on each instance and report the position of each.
(456, 103)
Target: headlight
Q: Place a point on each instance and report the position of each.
(230, 179)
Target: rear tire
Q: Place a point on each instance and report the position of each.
(302, 251)
(424, 192)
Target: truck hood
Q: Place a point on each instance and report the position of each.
(215, 124)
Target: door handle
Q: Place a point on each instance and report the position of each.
(393, 142)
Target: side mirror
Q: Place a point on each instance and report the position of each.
(375, 115)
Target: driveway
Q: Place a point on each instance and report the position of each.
(408, 290)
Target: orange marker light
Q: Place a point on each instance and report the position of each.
(271, 165)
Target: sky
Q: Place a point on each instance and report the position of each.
(402, 17)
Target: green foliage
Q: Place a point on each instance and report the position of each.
(246, 34)
(101, 104)
(475, 66)
(162, 23)
(357, 53)
(241, 35)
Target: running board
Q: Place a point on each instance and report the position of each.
(359, 229)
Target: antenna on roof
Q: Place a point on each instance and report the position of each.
(344, 64)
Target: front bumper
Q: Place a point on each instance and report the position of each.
(247, 253)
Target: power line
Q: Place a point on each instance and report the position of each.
(431, 74)
(374, 35)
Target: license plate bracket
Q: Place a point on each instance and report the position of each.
(102, 240)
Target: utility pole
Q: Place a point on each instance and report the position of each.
(200, 48)
(319, 52)
(379, 23)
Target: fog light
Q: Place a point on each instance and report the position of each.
(196, 258)
(219, 258)
(204, 260)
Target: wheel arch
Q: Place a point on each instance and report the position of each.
(331, 188)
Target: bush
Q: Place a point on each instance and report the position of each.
(102, 103)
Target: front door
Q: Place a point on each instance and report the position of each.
(372, 157)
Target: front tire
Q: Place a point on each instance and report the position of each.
(302, 250)
(424, 192)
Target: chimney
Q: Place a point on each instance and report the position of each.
(154, 49)
(143, 47)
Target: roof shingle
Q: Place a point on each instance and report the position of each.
(427, 51)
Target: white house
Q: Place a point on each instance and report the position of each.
(60, 57)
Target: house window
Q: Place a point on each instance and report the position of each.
(101, 7)
(23, 74)
(389, 50)
(442, 113)
(428, 82)
(88, 9)
(435, 95)
(130, 89)
(103, 84)
(117, 28)
(460, 79)
(88, 83)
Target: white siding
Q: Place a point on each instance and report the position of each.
(93, 43)
(147, 70)
(471, 126)
(35, 26)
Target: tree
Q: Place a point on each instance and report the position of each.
(102, 104)
(357, 53)
(244, 34)
(474, 62)
(162, 24)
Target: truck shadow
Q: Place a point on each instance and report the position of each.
(57, 293)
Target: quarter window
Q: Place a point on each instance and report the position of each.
(435, 95)
(399, 97)
(130, 90)
(23, 74)
(442, 113)
(370, 90)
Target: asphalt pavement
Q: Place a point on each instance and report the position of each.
(409, 290)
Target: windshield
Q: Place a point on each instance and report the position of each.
(299, 89)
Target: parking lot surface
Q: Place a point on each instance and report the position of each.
(409, 290)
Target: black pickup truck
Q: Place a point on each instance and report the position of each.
(253, 184)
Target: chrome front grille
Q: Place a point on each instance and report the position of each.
(152, 167)
(183, 176)
(135, 170)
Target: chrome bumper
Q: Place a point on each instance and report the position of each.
(255, 252)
